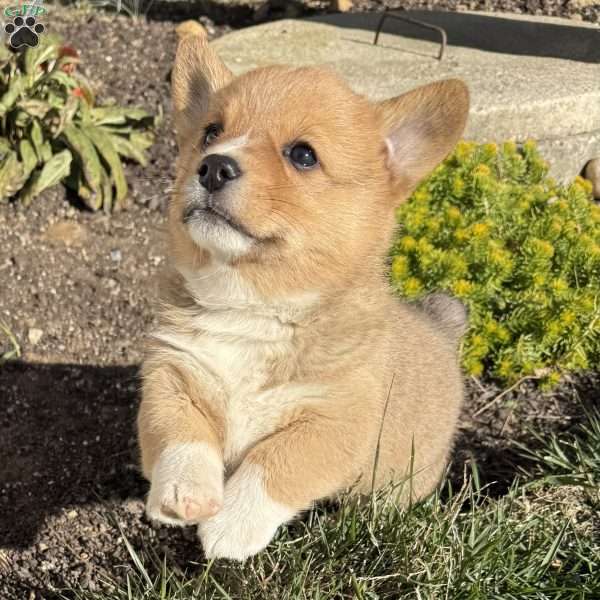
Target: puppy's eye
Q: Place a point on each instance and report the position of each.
(212, 132)
(302, 156)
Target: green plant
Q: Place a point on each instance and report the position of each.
(569, 460)
(538, 541)
(15, 350)
(520, 250)
(52, 131)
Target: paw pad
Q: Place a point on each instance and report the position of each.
(24, 32)
(180, 504)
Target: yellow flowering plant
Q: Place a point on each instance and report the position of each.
(521, 251)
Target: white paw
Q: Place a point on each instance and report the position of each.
(187, 484)
(248, 520)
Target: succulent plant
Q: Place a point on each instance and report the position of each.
(521, 251)
(51, 129)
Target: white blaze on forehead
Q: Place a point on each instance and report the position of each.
(228, 146)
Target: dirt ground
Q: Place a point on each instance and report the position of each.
(244, 12)
(76, 289)
(587, 10)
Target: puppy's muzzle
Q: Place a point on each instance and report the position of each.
(216, 170)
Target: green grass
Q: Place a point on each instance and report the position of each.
(540, 540)
(15, 350)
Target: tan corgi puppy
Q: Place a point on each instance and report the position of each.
(283, 369)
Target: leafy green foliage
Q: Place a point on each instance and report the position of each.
(522, 252)
(52, 131)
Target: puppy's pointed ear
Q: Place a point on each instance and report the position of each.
(422, 127)
(197, 73)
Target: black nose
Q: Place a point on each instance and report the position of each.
(216, 170)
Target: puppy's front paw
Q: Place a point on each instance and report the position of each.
(248, 520)
(187, 484)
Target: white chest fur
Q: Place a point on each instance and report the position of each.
(236, 347)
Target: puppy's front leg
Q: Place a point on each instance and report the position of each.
(314, 456)
(180, 447)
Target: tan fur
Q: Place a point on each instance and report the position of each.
(190, 27)
(280, 351)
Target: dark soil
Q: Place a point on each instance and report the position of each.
(553, 8)
(77, 291)
(245, 12)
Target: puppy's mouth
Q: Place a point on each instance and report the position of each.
(213, 214)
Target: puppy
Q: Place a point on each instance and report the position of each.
(283, 369)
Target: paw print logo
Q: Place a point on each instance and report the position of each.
(23, 32)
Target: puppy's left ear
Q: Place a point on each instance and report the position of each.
(197, 74)
(421, 129)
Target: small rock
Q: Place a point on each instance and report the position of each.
(34, 336)
(592, 173)
(135, 507)
(69, 233)
(343, 5)
(582, 3)
(189, 27)
(116, 255)
(156, 203)
(72, 514)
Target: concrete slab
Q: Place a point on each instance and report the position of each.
(530, 78)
